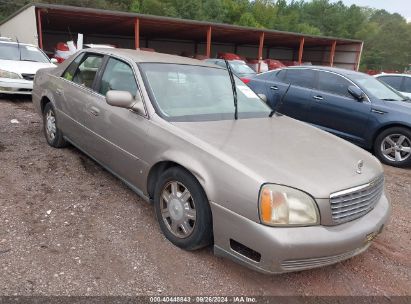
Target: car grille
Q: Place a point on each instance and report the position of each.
(353, 203)
(301, 264)
(28, 76)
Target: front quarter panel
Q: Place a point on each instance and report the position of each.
(229, 183)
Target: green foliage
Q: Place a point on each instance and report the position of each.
(387, 36)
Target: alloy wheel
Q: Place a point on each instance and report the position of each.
(178, 209)
(396, 147)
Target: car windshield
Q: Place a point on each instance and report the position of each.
(24, 53)
(377, 88)
(197, 93)
(241, 68)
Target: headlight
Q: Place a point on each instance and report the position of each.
(7, 74)
(285, 206)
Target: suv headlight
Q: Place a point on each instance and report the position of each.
(285, 206)
(7, 74)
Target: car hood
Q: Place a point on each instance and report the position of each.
(23, 67)
(284, 151)
(403, 106)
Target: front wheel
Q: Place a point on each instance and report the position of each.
(393, 147)
(182, 209)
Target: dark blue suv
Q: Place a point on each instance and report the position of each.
(349, 104)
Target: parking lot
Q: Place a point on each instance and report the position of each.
(68, 227)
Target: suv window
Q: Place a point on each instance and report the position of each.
(407, 84)
(393, 81)
(300, 77)
(332, 83)
(118, 76)
(87, 70)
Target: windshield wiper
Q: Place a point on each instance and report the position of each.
(279, 103)
(230, 72)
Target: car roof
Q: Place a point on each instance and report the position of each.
(15, 43)
(340, 71)
(145, 56)
(392, 74)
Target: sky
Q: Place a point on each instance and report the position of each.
(403, 7)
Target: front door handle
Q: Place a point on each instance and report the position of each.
(318, 97)
(94, 111)
(275, 88)
(59, 92)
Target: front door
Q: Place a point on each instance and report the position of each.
(120, 134)
(336, 111)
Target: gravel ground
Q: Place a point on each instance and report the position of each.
(68, 227)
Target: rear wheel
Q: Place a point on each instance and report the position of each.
(393, 146)
(182, 209)
(53, 134)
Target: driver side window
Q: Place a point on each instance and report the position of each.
(334, 84)
(118, 76)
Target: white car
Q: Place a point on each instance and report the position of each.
(400, 82)
(19, 63)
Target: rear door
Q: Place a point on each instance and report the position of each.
(75, 93)
(297, 102)
(336, 111)
(267, 84)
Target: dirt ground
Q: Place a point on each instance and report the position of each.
(68, 227)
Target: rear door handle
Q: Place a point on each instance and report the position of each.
(275, 88)
(318, 97)
(59, 92)
(94, 111)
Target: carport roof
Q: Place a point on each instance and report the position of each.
(99, 21)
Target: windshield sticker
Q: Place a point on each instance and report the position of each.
(247, 91)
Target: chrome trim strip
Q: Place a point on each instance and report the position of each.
(354, 189)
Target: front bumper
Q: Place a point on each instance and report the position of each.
(16, 86)
(284, 249)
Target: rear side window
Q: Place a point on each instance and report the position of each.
(71, 69)
(266, 76)
(392, 81)
(118, 76)
(281, 74)
(87, 70)
(332, 83)
(300, 77)
(407, 84)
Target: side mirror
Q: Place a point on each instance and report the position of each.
(124, 99)
(356, 92)
(263, 97)
(54, 60)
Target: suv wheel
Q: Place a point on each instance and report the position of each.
(393, 147)
(182, 209)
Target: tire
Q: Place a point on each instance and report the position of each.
(53, 134)
(393, 147)
(185, 217)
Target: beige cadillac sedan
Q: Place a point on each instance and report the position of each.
(267, 191)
